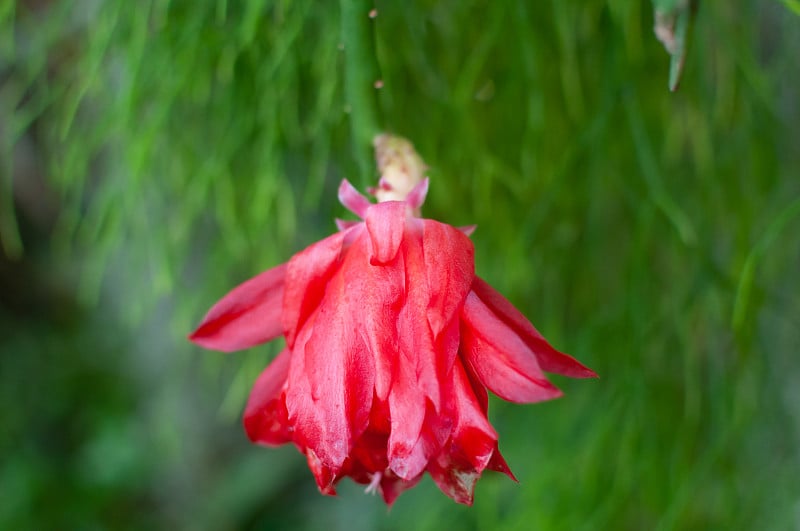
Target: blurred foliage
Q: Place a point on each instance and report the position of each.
(153, 154)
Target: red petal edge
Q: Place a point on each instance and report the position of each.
(499, 357)
(549, 358)
(266, 420)
(248, 315)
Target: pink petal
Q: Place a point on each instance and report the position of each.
(471, 446)
(265, 417)
(416, 338)
(456, 482)
(307, 275)
(549, 358)
(473, 438)
(323, 474)
(331, 403)
(248, 315)
(375, 295)
(352, 200)
(478, 389)
(499, 357)
(368, 455)
(392, 486)
(407, 406)
(304, 415)
(418, 431)
(416, 197)
(450, 268)
(411, 449)
(385, 223)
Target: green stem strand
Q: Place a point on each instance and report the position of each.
(360, 76)
(759, 250)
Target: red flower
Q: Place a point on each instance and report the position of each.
(391, 343)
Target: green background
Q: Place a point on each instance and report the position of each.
(154, 154)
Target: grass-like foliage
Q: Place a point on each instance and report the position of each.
(178, 147)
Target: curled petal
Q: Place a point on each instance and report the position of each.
(449, 264)
(375, 295)
(248, 315)
(499, 357)
(416, 197)
(352, 200)
(323, 474)
(331, 382)
(385, 224)
(472, 443)
(265, 418)
(368, 456)
(549, 358)
(407, 407)
(307, 275)
(392, 486)
(473, 439)
(416, 338)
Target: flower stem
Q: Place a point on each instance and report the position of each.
(360, 76)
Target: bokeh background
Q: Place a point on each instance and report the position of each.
(155, 153)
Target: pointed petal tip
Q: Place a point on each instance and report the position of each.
(468, 229)
(248, 315)
(548, 392)
(498, 464)
(324, 475)
(205, 338)
(589, 373)
(352, 199)
(570, 366)
(416, 197)
(549, 359)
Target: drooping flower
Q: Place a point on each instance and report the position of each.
(391, 344)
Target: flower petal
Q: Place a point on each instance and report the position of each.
(393, 486)
(407, 407)
(450, 268)
(323, 474)
(330, 401)
(307, 275)
(352, 200)
(265, 417)
(385, 223)
(498, 464)
(417, 342)
(499, 357)
(472, 443)
(416, 197)
(549, 358)
(304, 414)
(248, 315)
(375, 295)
